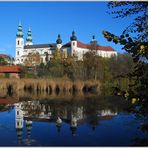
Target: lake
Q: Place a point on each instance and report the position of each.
(90, 121)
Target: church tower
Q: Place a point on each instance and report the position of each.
(59, 42)
(93, 43)
(29, 37)
(19, 44)
(73, 39)
(29, 128)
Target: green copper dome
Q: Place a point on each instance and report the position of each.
(29, 36)
(73, 37)
(19, 31)
(59, 41)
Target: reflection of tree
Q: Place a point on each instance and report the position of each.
(31, 110)
(4, 107)
(93, 122)
(73, 130)
(140, 142)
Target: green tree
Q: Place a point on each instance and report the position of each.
(3, 61)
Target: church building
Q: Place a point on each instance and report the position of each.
(73, 48)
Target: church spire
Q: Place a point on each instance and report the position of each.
(19, 31)
(29, 37)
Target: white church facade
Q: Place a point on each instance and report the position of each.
(73, 47)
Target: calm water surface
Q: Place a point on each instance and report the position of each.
(99, 121)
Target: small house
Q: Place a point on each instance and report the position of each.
(10, 71)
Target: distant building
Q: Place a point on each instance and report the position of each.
(74, 47)
(10, 71)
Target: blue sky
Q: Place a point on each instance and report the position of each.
(48, 19)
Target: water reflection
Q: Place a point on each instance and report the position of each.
(74, 114)
(69, 122)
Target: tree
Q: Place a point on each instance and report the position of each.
(57, 54)
(134, 40)
(3, 61)
(33, 59)
(136, 9)
(135, 37)
(69, 65)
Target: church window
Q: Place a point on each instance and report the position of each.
(17, 123)
(18, 42)
(17, 112)
(18, 53)
(73, 43)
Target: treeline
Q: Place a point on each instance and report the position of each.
(111, 72)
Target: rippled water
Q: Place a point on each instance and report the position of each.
(99, 121)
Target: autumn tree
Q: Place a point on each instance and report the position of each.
(135, 37)
(134, 40)
(33, 59)
(57, 55)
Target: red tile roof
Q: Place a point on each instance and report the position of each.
(109, 117)
(88, 46)
(67, 45)
(10, 69)
(7, 101)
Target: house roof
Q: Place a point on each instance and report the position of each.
(7, 101)
(108, 117)
(40, 46)
(4, 56)
(88, 46)
(11, 69)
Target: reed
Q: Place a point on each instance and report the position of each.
(47, 86)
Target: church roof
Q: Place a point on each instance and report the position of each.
(53, 45)
(88, 46)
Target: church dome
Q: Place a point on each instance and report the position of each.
(19, 31)
(19, 34)
(29, 36)
(73, 37)
(59, 41)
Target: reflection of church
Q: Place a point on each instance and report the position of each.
(19, 121)
(29, 111)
